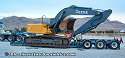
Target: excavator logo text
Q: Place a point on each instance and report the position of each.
(81, 12)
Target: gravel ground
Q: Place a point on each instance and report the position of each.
(79, 52)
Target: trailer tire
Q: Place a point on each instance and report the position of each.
(114, 45)
(87, 44)
(11, 38)
(2, 38)
(19, 38)
(100, 44)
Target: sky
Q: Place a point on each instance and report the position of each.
(50, 8)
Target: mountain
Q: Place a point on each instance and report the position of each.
(106, 25)
(111, 25)
(13, 22)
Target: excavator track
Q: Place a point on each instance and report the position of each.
(53, 41)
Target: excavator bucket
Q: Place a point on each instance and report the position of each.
(67, 25)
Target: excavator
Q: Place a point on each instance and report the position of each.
(49, 37)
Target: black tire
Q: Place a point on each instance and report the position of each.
(2, 38)
(100, 44)
(114, 45)
(11, 38)
(87, 44)
(19, 38)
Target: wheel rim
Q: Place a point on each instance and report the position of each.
(100, 44)
(19, 38)
(114, 44)
(87, 44)
(10, 38)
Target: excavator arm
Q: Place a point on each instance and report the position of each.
(99, 17)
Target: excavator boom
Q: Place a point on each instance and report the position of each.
(99, 17)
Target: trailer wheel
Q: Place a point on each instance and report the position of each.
(114, 45)
(1, 38)
(11, 38)
(100, 44)
(87, 44)
(19, 38)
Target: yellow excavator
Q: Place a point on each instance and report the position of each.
(59, 24)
